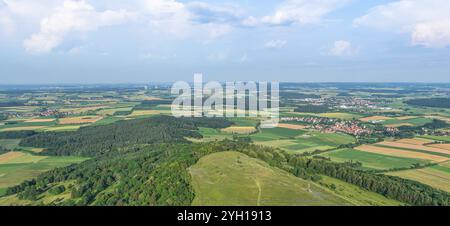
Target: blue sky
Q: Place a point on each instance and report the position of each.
(112, 41)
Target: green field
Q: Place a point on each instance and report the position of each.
(29, 166)
(340, 115)
(107, 120)
(63, 128)
(303, 141)
(437, 138)
(244, 121)
(276, 133)
(27, 124)
(371, 160)
(414, 121)
(231, 178)
(435, 176)
(210, 134)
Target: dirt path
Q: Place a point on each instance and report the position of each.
(258, 202)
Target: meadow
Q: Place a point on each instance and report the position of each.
(25, 166)
(299, 141)
(231, 178)
(372, 160)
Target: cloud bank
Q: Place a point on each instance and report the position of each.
(426, 21)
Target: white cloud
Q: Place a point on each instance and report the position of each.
(7, 24)
(78, 17)
(195, 19)
(275, 44)
(426, 21)
(342, 48)
(302, 11)
(168, 16)
(11, 11)
(72, 17)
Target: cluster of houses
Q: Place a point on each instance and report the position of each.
(330, 125)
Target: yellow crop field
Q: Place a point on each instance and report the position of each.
(79, 120)
(429, 176)
(399, 125)
(375, 118)
(10, 156)
(416, 141)
(413, 146)
(401, 153)
(406, 117)
(144, 112)
(291, 126)
(40, 120)
(441, 146)
(23, 128)
(240, 129)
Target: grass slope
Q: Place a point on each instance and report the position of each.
(231, 178)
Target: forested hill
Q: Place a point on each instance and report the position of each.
(98, 140)
(158, 175)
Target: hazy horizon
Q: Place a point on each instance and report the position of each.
(141, 41)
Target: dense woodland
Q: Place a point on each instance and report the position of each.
(411, 131)
(149, 104)
(313, 109)
(149, 171)
(431, 102)
(17, 134)
(295, 95)
(98, 140)
(12, 104)
(3, 150)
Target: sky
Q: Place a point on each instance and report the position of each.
(141, 41)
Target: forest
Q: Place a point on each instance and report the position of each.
(313, 109)
(17, 134)
(98, 140)
(430, 102)
(294, 95)
(3, 150)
